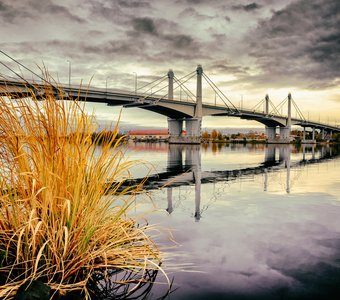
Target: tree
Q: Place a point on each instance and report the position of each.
(205, 135)
(214, 134)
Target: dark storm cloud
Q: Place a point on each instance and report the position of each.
(134, 4)
(144, 25)
(221, 67)
(9, 13)
(157, 33)
(180, 41)
(109, 11)
(248, 7)
(300, 44)
(200, 2)
(13, 11)
(60, 11)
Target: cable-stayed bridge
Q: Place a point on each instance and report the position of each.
(184, 116)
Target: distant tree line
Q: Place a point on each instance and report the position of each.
(218, 136)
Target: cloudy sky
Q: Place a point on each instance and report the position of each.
(247, 48)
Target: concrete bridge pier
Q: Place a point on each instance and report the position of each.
(175, 127)
(271, 135)
(193, 130)
(284, 135)
(308, 141)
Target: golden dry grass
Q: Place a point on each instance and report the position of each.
(55, 225)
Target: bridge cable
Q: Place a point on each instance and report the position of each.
(158, 79)
(280, 105)
(150, 89)
(19, 63)
(186, 90)
(298, 110)
(258, 105)
(208, 79)
(29, 84)
(162, 97)
(179, 82)
(217, 93)
(189, 74)
(274, 110)
(153, 93)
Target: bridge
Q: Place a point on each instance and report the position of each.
(183, 116)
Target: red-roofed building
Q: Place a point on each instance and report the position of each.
(148, 134)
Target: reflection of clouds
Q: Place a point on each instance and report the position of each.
(265, 247)
(256, 243)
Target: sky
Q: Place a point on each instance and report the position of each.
(247, 48)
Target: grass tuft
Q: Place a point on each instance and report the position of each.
(60, 220)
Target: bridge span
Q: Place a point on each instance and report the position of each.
(181, 114)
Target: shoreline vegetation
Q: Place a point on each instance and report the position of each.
(252, 137)
(61, 224)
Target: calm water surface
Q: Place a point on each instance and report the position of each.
(250, 221)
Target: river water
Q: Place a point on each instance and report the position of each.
(248, 221)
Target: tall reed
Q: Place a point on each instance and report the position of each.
(60, 220)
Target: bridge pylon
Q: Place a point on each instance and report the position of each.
(193, 125)
(284, 129)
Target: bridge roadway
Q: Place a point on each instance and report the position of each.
(171, 108)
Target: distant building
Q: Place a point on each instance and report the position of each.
(149, 134)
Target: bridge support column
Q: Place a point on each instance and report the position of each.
(270, 133)
(170, 85)
(322, 133)
(284, 135)
(304, 135)
(308, 141)
(267, 104)
(192, 125)
(193, 130)
(284, 130)
(175, 127)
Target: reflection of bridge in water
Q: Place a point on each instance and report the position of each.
(184, 168)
